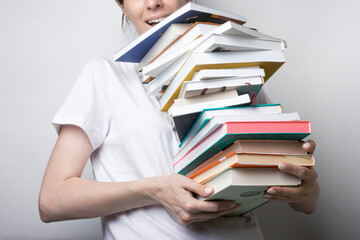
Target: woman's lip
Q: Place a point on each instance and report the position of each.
(157, 17)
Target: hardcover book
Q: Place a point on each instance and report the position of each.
(247, 186)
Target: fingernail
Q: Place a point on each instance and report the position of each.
(307, 145)
(271, 191)
(237, 205)
(282, 166)
(208, 190)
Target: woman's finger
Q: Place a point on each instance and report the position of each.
(309, 146)
(304, 173)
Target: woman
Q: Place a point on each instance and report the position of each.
(109, 118)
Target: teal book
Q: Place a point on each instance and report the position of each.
(192, 126)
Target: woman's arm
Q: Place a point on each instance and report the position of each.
(305, 197)
(64, 195)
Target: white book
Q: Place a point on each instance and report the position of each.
(158, 85)
(171, 34)
(203, 87)
(208, 74)
(246, 186)
(203, 99)
(198, 107)
(230, 28)
(155, 68)
(221, 42)
(235, 29)
(269, 60)
(216, 122)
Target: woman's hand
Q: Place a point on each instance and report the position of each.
(304, 197)
(175, 193)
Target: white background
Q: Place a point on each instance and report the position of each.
(45, 43)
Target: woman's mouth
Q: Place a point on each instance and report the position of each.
(153, 22)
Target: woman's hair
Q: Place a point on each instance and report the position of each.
(123, 18)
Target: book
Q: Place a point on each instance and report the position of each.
(244, 159)
(209, 74)
(222, 42)
(185, 115)
(269, 60)
(248, 85)
(229, 132)
(229, 28)
(207, 114)
(193, 32)
(171, 34)
(217, 121)
(158, 85)
(161, 82)
(197, 104)
(246, 186)
(250, 146)
(189, 13)
(234, 28)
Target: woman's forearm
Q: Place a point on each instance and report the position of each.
(77, 198)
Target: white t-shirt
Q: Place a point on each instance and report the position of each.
(132, 139)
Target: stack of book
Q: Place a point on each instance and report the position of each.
(206, 68)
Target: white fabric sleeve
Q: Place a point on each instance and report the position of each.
(87, 106)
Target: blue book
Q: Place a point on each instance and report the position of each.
(189, 13)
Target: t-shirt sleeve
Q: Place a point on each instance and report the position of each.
(87, 106)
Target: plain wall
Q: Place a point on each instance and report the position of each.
(45, 43)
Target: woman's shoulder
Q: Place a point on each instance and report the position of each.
(97, 63)
(104, 71)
